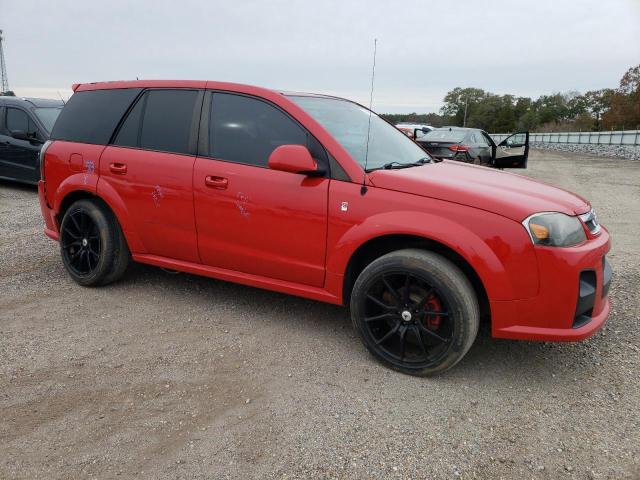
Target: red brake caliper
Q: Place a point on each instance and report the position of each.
(433, 305)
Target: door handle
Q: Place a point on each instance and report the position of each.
(220, 183)
(118, 168)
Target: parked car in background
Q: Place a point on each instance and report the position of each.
(25, 124)
(315, 196)
(472, 145)
(414, 130)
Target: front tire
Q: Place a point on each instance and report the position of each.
(415, 311)
(93, 248)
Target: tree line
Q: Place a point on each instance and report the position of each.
(605, 109)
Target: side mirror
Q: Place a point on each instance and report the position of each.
(20, 135)
(293, 159)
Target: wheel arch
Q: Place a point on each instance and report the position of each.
(376, 247)
(114, 204)
(70, 198)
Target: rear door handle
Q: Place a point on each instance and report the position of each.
(118, 168)
(220, 183)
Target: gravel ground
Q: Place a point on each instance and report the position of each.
(175, 376)
(611, 151)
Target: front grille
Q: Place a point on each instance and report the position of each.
(591, 221)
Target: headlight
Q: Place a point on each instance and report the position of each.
(554, 229)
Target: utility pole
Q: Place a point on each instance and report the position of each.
(4, 85)
(466, 103)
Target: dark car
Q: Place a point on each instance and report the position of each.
(25, 124)
(472, 145)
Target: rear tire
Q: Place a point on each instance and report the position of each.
(93, 248)
(415, 311)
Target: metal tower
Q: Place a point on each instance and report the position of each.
(4, 86)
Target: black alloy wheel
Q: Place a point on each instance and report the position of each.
(80, 242)
(415, 311)
(93, 248)
(408, 319)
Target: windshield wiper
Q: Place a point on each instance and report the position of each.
(398, 165)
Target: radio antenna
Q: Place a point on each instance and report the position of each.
(363, 189)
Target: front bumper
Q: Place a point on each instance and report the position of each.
(572, 302)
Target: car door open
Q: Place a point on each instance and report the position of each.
(513, 151)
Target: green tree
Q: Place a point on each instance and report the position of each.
(457, 100)
(597, 103)
(624, 111)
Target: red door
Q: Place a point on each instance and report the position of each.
(156, 189)
(250, 218)
(260, 221)
(150, 166)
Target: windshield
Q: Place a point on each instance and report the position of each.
(47, 116)
(445, 135)
(348, 122)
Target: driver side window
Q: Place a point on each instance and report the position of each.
(18, 120)
(247, 130)
(516, 140)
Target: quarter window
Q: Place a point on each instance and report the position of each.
(92, 116)
(246, 130)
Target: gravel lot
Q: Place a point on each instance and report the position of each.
(175, 376)
(612, 151)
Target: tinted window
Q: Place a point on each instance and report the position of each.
(168, 115)
(129, 134)
(92, 116)
(247, 130)
(160, 120)
(19, 120)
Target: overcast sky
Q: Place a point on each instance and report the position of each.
(425, 48)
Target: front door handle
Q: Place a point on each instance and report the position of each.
(220, 183)
(118, 168)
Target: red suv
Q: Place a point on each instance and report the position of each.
(316, 196)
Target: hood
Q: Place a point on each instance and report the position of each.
(507, 194)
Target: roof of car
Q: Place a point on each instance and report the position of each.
(466, 129)
(413, 125)
(239, 87)
(34, 102)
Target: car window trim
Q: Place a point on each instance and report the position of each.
(203, 140)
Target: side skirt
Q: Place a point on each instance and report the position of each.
(258, 281)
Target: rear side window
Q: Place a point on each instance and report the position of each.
(161, 120)
(92, 116)
(247, 130)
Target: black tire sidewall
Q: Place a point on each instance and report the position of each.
(107, 243)
(449, 282)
